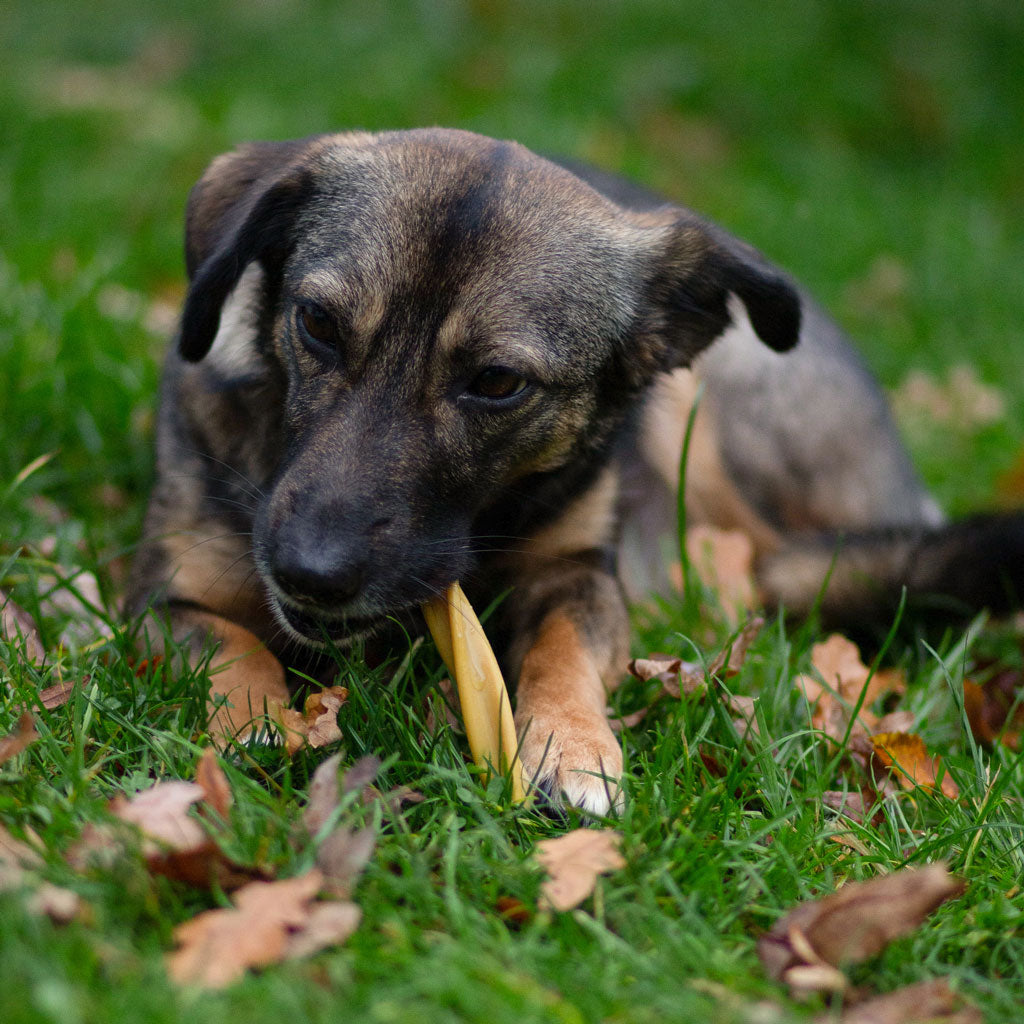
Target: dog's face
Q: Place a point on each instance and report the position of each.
(456, 327)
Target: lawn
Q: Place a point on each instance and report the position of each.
(876, 151)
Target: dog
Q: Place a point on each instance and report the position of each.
(413, 357)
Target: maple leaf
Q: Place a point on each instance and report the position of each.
(573, 862)
(905, 756)
(269, 922)
(23, 736)
(852, 924)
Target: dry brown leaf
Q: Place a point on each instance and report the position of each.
(174, 842)
(16, 622)
(59, 694)
(927, 1001)
(23, 736)
(857, 921)
(317, 724)
(213, 782)
(218, 946)
(846, 678)
(18, 861)
(573, 862)
(342, 855)
(724, 562)
(906, 757)
(961, 400)
(328, 924)
(678, 677)
(994, 711)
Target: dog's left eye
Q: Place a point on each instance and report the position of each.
(497, 384)
(316, 328)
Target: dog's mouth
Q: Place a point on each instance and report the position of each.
(317, 629)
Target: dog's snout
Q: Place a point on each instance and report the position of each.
(318, 581)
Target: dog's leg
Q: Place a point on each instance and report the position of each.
(246, 680)
(572, 634)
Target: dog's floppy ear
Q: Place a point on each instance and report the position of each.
(697, 271)
(241, 210)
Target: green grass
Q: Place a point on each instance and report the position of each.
(831, 135)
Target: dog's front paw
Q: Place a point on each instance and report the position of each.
(574, 757)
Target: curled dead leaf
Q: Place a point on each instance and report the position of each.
(316, 725)
(573, 862)
(857, 921)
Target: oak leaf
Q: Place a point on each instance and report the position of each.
(268, 922)
(573, 862)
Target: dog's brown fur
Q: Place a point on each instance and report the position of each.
(332, 450)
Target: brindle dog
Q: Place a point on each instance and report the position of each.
(416, 357)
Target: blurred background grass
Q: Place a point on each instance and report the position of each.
(874, 149)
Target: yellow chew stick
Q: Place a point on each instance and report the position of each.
(486, 712)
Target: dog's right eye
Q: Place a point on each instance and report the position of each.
(317, 329)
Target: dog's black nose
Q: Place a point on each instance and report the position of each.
(327, 576)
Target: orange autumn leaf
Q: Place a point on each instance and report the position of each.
(907, 758)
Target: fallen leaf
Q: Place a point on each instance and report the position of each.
(24, 735)
(316, 725)
(724, 562)
(573, 862)
(847, 683)
(995, 711)
(344, 853)
(59, 694)
(328, 924)
(857, 921)
(678, 677)
(161, 815)
(906, 757)
(962, 400)
(914, 1004)
(174, 841)
(217, 946)
(15, 622)
(18, 862)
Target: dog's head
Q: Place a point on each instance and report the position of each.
(458, 326)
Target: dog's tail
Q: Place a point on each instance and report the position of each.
(950, 571)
